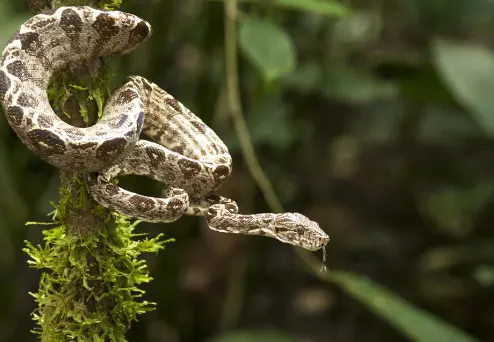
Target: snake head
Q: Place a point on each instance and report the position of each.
(298, 230)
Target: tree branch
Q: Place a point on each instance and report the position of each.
(91, 262)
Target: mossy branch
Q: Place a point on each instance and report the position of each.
(91, 259)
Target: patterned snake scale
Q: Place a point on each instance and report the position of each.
(186, 154)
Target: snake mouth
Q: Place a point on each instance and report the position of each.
(325, 241)
(320, 244)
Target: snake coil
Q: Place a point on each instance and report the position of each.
(185, 153)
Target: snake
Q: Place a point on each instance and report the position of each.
(182, 151)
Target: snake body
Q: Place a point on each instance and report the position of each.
(185, 154)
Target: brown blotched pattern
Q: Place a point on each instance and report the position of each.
(186, 154)
(189, 155)
(47, 43)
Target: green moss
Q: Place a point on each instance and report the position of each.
(89, 288)
(89, 285)
(91, 259)
(85, 93)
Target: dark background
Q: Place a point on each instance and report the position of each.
(381, 131)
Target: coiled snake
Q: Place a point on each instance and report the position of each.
(187, 155)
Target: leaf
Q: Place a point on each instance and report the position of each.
(468, 70)
(322, 7)
(267, 46)
(411, 321)
(253, 336)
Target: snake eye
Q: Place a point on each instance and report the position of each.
(300, 230)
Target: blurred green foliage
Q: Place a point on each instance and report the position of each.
(374, 118)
